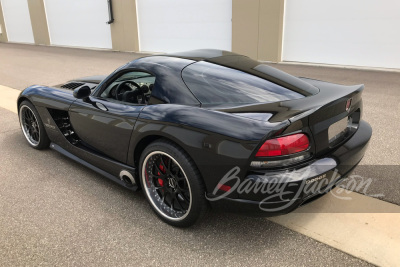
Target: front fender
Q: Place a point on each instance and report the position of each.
(43, 96)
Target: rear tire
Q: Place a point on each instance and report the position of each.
(172, 184)
(32, 126)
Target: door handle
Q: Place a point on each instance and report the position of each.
(101, 106)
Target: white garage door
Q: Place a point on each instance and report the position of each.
(78, 23)
(357, 32)
(178, 25)
(17, 21)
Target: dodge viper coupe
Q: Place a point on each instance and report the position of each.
(204, 128)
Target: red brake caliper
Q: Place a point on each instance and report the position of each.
(160, 181)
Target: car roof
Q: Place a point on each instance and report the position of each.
(175, 63)
(248, 65)
(202, 54)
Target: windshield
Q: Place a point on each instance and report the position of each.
(215, 84)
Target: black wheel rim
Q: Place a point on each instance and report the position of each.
(29, 125)
(166, 185)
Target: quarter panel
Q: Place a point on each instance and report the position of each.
(229, 125)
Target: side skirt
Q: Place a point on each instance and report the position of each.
(119, 180)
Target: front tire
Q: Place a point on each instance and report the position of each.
(172, 184)
(32, 126)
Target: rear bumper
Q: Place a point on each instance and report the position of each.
(280, 192)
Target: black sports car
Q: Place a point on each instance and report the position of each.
(201, 128)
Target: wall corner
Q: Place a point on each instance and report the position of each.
(271, 30)
(39, 22)
(124, 29)
(3, 35)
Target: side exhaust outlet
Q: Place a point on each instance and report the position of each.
(127, 178)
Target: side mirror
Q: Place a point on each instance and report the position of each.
(82, 92)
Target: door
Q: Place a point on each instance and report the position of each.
(78, 23)
(178, 25)
(105, 126)
(357, 32)
(17, 21)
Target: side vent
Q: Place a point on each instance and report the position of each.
(71, 85)
(61, 118)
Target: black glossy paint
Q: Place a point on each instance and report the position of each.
(213, 84)
(108, 131)
(217, 137)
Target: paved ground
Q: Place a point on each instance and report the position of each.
(54, 211)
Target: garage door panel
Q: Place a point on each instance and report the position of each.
(78, 23)
(210, 31)
(342, 9)
(345, 54)
(170, 26)
(358, 33)
(351, 32)
(17, 21)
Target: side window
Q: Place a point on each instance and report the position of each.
(130, 87)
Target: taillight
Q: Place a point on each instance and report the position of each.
(285, 145)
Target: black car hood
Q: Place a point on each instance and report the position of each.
(91, 79)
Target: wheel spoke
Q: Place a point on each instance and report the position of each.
(179, 175)
(36, 134)
(28, 114)
(185, 197)
(162, 174)
(171, 199)
(169, 164)
(178, 178)
(167, 170)
(184, 190)
(179, 203)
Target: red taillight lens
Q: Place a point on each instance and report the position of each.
(284, 146)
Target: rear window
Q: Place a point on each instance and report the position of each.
(215, 84)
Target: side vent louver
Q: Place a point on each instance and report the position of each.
(61, 118)
(71, 85)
